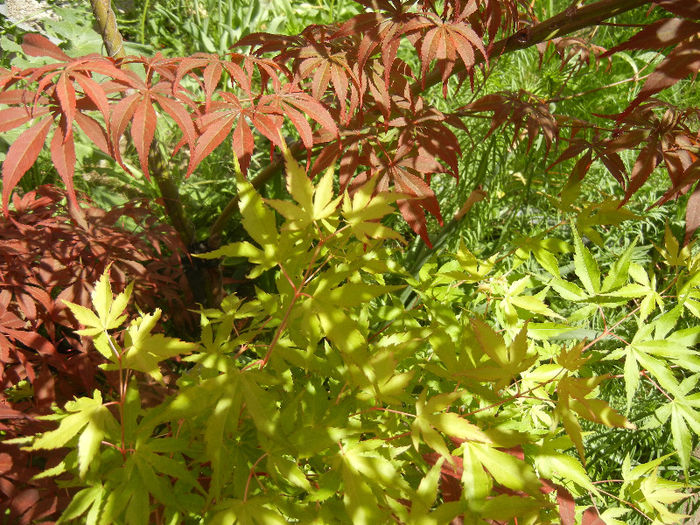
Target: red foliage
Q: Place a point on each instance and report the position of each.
(342, 88)
(49, 253)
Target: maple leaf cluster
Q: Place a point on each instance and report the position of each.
(325, 82)
(350, 99)
(39, 349)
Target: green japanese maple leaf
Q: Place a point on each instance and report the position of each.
(684, 412)
(144, 350)
(371, 475)
(659, 493)
(312, 203)
(544, 250)
(363, 211)
(432, 418)
(530, 303)
(108, 314)
(89, 420)
(504, 361)
(574, 400)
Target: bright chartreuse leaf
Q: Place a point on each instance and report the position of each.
(473, 269)
(619, 271)
(476, 483)
(363, 211)
(606, 212)
(88, 419)
(311, 204)
(109, 310)
(81, 502)
(575, 401)
(572, 358)
(257, 219)
(144, 350)
(507, 361)
(431, 419)
(672, 252)
(659, 493)
(299, 185)
(545, 251)
(505, 468)
(428, 489)
(253, 511)
(585, 266)
(562, 468)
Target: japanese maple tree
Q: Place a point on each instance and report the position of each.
(337, 404)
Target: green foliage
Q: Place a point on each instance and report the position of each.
(329, 399)
(488, 382)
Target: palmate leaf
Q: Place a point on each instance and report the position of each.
(56, 88)
(684, 412)
(383, 28)
(321, 58)
(87, 498)
(426, 495)
(447, 40)
(562, 468)
(680, 63)
(571, 359)
(532, 305)
(476, 483)
(63, 157)
(574, 402)
(544, 250)
(143, 350)
(108, 315)
(260, 223)
(585, 266)
(506, 361)
(506, 469)
(524, 111)
(108, 310)
(405, 168)
(370, 478)
(86, 418)
(313, 203)
(233, 114)
(363, 210)
(431, 419)
(291, 102)
(658, 494)
(257, 219)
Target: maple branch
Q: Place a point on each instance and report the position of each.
(107, 23)
(204, 286)
(570, 20)
(170, 194)
(114, 42)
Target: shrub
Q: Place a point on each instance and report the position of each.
(50, 254)
(335, 402)
(401, 383)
